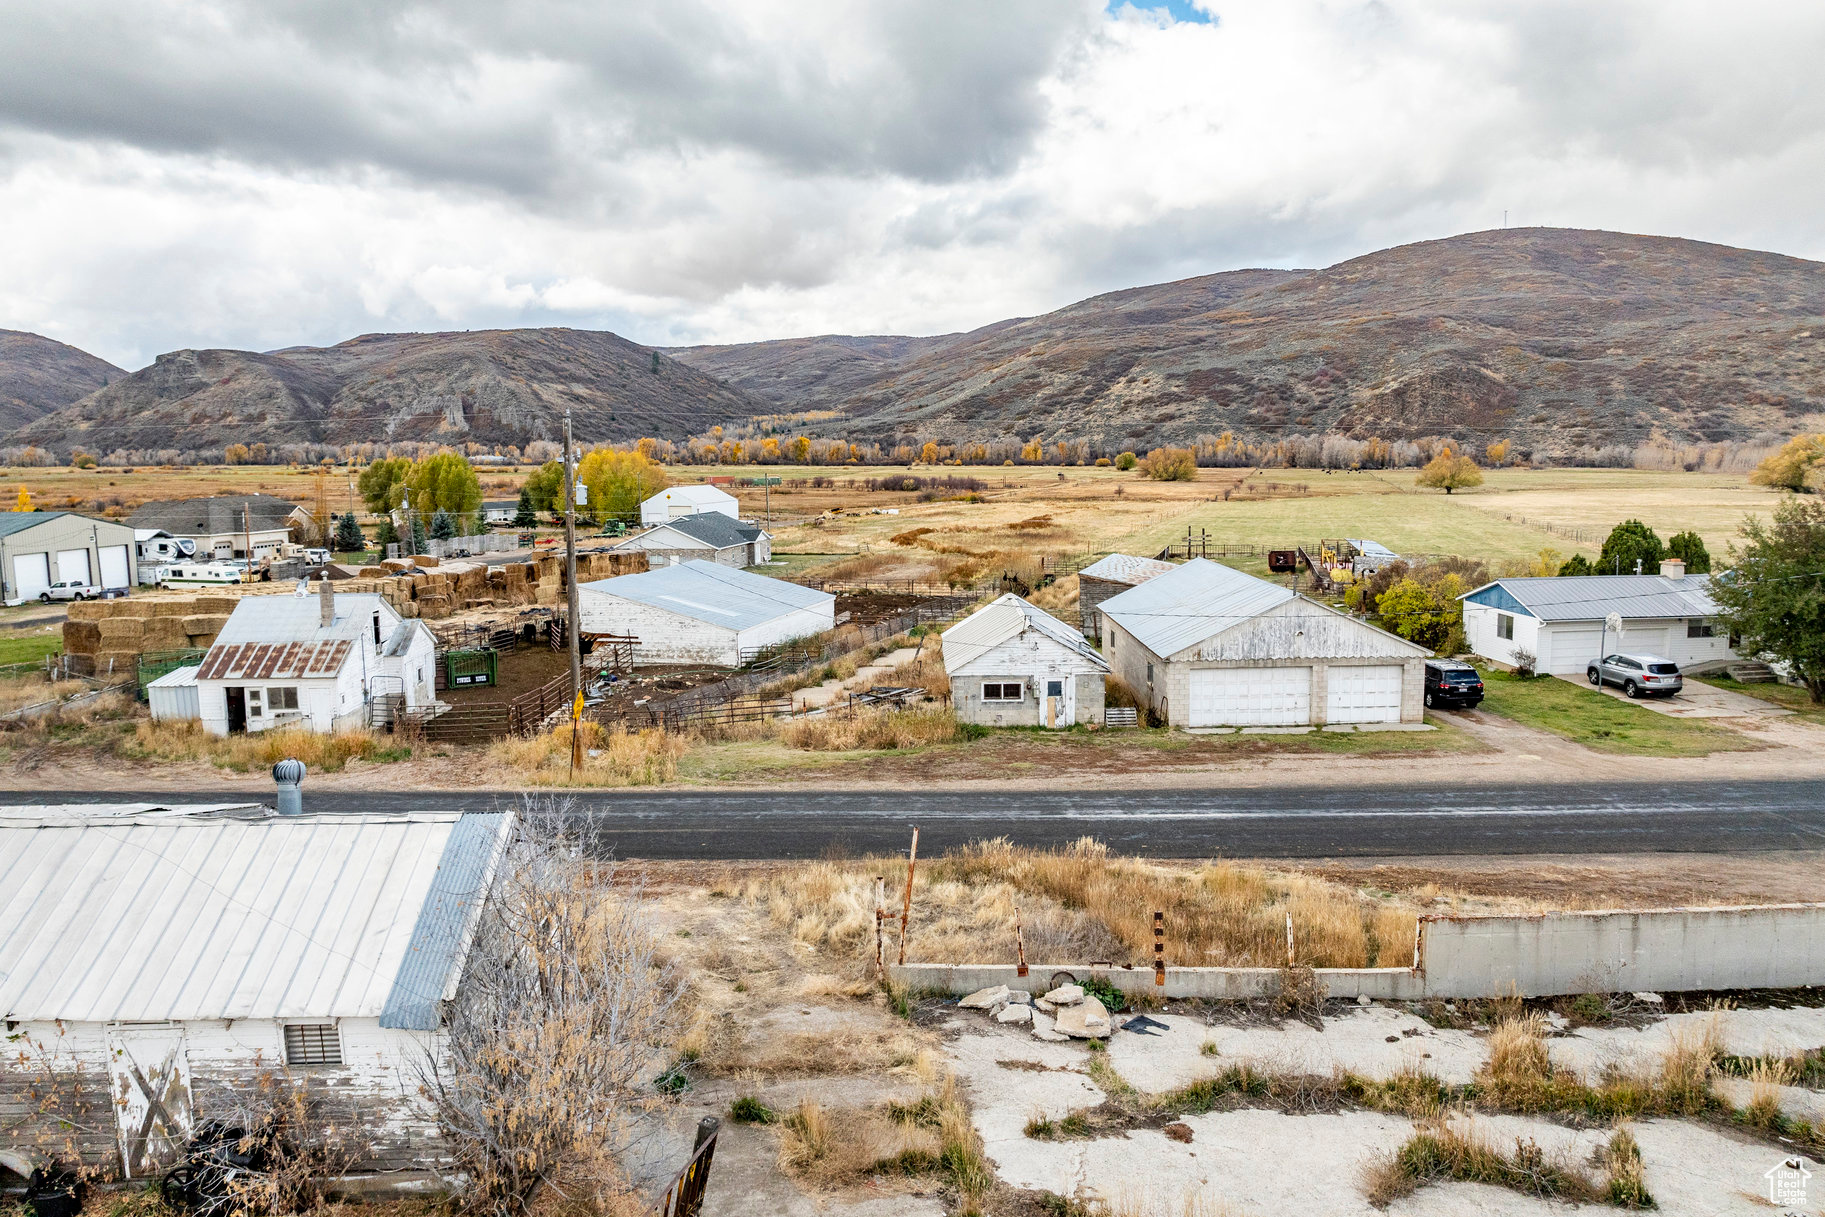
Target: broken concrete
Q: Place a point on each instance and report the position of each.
(1086, 1020)
(983, 999)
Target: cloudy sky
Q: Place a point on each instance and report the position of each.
(262, 173)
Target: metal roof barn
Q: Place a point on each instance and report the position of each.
(1191, 602)
(702, 612)
(147, 915)
(1125, 568)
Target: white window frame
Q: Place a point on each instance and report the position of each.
(256, 701)
(288, 697)
(1504, 626)
(1001, 687)
(1701, 627)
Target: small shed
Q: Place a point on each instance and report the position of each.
(1210, 646)
(676, 502)
(702, 612)
(1111, 576)
(174, 695)
(1014, 665)
(159, 959)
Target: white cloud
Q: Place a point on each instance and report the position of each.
(262, 174)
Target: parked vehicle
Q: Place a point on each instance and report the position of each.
(1637, 675)
(114, 593)
(1451, 685)
(317, 556)
(69, 589)
(181, 574)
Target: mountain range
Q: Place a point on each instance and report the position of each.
(1557, 338)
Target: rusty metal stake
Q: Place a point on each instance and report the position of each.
(1020, 946)
(1159, 949)
(880, 918)
(912, 860)
(1289, 940)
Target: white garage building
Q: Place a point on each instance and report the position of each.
(39, 548)
(1561, 621)
(1208, 646)
(703, 612)
(676, 502)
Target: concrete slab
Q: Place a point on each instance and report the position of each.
(1278, 730)
(1796, 1101)
(1375, 1041)
(1695, 700)
(1010, 1077)
(1743, 1032)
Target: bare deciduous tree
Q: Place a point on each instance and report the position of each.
(565, 1006)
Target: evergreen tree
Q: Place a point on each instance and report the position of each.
(526, 516)
(386, 534)
(420, 542)
(1629, 543)
(1577, 564)
(1690, 547)
(443, 528)
(348, 535)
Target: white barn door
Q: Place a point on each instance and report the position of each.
(150, 1072)
(1363, 694)
(114, 567)
(31, 575)
(73, 564)
(1250, 697)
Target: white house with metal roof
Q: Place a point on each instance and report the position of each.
(1562, 620)
(702, 612)
(158, 959)
(1208, 646)
(1108, 576)
(320, 660)
(676, 502)
(709, 536)
(1014, 665)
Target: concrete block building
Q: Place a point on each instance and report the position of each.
(1013, 665)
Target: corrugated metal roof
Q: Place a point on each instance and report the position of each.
(1373, 549)
(214, 515)
(692, 494)
(705, 591)
(710, 527)
(1125, 568)
(445, 925)
(259, 661)
(18, 521)
(1008, 617)
(1594, 597)
(157, 916)
(1188, 604)
(400, 640)
(177, 678)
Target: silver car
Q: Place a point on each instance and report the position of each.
(1638, 675)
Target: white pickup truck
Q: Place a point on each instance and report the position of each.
(69, 589)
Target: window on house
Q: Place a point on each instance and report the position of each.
(1149, 673)
(1504, 626)
(281, 698)
(312, 1044)
(1001, 690)
(253, 701)
(1698, 627)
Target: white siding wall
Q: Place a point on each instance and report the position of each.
(665, 637)
(1031, 658)
(1480, 629)
(1565, 647)
(799, 623)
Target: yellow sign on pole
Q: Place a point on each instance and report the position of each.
(576, 709)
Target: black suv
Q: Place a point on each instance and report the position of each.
(1451, 685)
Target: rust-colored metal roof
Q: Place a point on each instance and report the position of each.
(274, 660)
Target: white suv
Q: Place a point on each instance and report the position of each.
(1639, 675)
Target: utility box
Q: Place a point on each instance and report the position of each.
(463, 669)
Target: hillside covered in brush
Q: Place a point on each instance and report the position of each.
(39, 375)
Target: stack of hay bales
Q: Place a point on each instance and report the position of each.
(109, 636)
(437, 591)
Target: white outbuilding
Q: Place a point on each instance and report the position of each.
(1563, 621)
(676, 502)
(703, 612)
(158, 959)
(1014, 665)
(320, 660)
(1205, 645)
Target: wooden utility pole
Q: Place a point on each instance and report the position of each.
(912, 860)
(570, 580)
(247, 530)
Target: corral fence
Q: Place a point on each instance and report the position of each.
(154, 664)
(483, 722)
(684, 1194)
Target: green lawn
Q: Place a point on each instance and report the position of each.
(29, 648)
(1605, 724)
(1792, 697)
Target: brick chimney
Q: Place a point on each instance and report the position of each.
(1673, 568)
(326, 600)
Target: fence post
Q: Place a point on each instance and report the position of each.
(912, 860)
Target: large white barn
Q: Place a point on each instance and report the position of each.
(1562, 621)
(1208, 646)
(703, 612)
(157, 960)
(676, 502)
(322, 661)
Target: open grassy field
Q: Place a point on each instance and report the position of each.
(29, 648)
(1605, 724)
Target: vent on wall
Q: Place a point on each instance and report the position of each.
(312, 1044)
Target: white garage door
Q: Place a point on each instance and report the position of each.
(73, 564)
(114, 567)
(1250, 697)
(1363, 695)
(32, 573)
(1573, 650)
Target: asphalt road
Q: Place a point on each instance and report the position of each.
(1287, 822)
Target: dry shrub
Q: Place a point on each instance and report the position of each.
(1627, 1186)
(808, 1053)
(1765, 1079)
(18, 691)
(872, 730)
(1685, 1070)
(1439, 1150)
(1057, 596)
(612, 756)
(925, 673)
(869, 1142)
(1517, 1052)
(186, 740)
